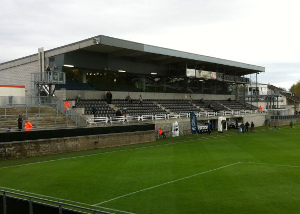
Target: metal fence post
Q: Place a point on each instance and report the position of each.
(30, 206)
(4, 203)
(39, 110)
(26, 110)
(60, 209)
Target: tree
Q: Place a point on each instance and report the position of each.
(296, 88)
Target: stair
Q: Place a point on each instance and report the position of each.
(41, 118)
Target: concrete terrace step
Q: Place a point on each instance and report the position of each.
(47, 118)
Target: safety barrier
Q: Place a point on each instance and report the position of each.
(13, 202)
(106, 120)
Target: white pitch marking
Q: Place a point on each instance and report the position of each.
(169, 182)
(271, 164)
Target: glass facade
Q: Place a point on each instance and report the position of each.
(104, 80)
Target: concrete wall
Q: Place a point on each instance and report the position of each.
(25, 149)
(284, 122)
(72, 94)
(258, 120)
(185, 126)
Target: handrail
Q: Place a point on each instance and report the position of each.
(11, 105)
(96, 120)
(60, 205)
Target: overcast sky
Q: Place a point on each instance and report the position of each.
(259, 32)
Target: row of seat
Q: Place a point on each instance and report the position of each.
(156, 106)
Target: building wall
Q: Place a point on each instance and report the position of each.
(258, 120)
(16, 93)
(20, 75)
(24, 149)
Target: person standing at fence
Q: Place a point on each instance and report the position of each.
(20, 123)
(252, 127)
(247, 126)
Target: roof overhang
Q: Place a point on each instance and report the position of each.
(113, 47)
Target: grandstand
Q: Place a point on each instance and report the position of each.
(173, 83)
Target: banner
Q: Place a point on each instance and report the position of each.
(193, 120)
(206, 74)
(190, 72)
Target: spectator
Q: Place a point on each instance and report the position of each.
(108, 97)
(161, 133)
(252, 127)
(247, 126)
(128, 99)
(141, 100)
(28, 126)
(94, 110)
(67, 105)
(9, 129)
(209, 128)
(20, 123)
(291, 124)
(229, 99)
(118, 113)
(124, 112)
(78, 98)
(243, 127)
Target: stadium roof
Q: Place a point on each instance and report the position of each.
(141, 52)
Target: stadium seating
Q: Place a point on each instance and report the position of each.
(158, 107)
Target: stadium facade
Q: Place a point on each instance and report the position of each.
(103, 64)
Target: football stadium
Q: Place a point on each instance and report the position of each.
(106, 125)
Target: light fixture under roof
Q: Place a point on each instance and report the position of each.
(121, 71)
(153, 73)
(70, 66)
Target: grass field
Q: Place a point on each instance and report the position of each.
(223, 173)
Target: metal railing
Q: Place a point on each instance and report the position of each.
(69, 118)
(15, 105)
(35, 201)
(71, 115)
(287, 117)
(149, 117)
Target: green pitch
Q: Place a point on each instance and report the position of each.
(224, 173)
